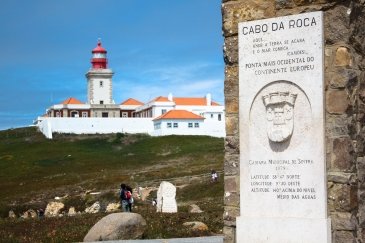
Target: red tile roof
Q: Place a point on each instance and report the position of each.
(161, 99)
(192, 101)
(131, 101)
(72, 101)
(186, 101)
(179, 114)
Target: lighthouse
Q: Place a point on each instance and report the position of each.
(99, 78)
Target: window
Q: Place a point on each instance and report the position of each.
(84, 114)
(157, 126)
(74, 114)
(163, 111)
(169, 125)
(219, 117)
(124, 114)
(211, 115)
(104, 114)
(190, 124)
(101, 102)
(196, 124)
(101, 84)
(176, 125)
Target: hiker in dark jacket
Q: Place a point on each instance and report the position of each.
(123, 198)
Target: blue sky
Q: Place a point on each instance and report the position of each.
(154, 47)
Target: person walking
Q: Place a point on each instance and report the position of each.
(214, 176)
(130, 197)
(123, 198)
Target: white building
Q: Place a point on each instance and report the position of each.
(160, 116)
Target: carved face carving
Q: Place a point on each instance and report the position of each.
(279, 115)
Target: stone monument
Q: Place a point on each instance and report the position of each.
(283, 194)
(166, 202)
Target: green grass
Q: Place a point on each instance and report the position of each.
(159, 225)
(29, 163)
(33, 170)
(65, 229)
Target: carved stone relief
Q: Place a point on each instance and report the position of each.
(280, 115)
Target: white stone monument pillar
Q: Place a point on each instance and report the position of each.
(283, 195)
(166, 202)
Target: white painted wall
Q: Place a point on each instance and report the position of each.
(206, 127)
(215, 128)
(101, 92)
(97, 92)
(199, 109)
(44, 126)
(50, 125)
(71, 106)
(157, 110)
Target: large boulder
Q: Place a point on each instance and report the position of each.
(53, 209)
(117, 226)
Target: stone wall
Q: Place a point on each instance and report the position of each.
(345, 107)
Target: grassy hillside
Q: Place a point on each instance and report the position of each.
(29, 163)
(33, 170)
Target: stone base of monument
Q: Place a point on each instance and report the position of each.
(280, 230)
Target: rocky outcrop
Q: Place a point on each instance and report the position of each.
(112, 207)
(196, 226)
(30, 213)
(53, 209)
(95, 208)
(117, 226)
(12, 215)
(71, 211)
(193, 208)
(145, 192)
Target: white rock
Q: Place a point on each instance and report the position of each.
(12, 214)
(193, 208)
(53, 209)
(112, 207)
(196, 226)
(71, 211)
(95, 208)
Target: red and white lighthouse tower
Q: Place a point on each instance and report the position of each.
(99, 78)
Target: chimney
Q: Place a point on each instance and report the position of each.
(169, 97)
(209, 99)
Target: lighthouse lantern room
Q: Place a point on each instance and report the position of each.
(99, 59)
